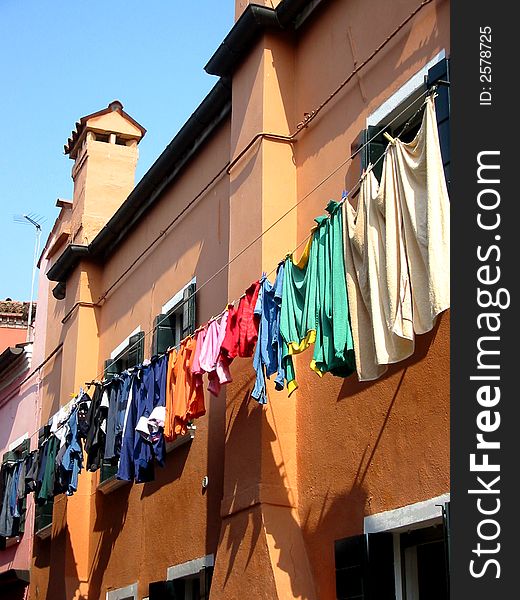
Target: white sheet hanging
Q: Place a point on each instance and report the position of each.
(397, 251)
(421, 186)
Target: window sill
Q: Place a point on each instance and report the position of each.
(44, 532)
(12, 541)
(182, 439)
(112, 483)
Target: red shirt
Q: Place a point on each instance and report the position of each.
(242, 326)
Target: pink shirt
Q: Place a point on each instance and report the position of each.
(210, 358)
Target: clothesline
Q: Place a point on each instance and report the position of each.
(422, 96)
(369, 280)
(356, 186)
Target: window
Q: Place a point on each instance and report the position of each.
(43, 512)
(176, 321)
(127, 593)
(187, 581)
(102, 137)
(127, 355)
(10, 469)
(389, 118)
(403, 555)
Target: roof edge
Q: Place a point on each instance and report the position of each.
(69, 258)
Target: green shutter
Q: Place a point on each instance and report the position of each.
(164, 333)
(372, 151)
(110, 368)
(136, 349)
(440, 74)
(380, 579)
(188, 310)
(365, 567)
(43, 514)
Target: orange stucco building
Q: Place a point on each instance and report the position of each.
(305, 496)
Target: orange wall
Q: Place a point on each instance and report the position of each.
(287, 479)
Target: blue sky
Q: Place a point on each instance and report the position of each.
(63, 59)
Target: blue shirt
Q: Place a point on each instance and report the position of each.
(267, 359)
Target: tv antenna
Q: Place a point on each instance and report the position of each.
(35, 221)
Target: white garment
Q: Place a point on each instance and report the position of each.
(397, 251)
(355, 236)
(423, 196)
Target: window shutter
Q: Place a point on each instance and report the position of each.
(447, 529)
(373, 150)
(110, 368)
(349, 554)
(188, 310)
(205, 576)
(164, 333)
(440, 73)
(365, 567)
(380, 560)
(162, 590)
(136, 349)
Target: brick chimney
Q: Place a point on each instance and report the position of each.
(104, 150)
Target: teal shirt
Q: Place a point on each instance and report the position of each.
(315, 305)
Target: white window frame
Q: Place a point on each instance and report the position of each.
(191, 567)
(406, 518)
(402, 95)
(124, 344)
(130, 591)
(190, 570)
(176, 299)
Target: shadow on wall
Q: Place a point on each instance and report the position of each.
(57, 555)
(244, 545)
(110, 513)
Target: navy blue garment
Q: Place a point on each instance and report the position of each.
(72, 460)
(143, 449)
(95, 441)
(118, 390)
(139, 452)
(125, 468)
(268, 353)
(159, 365)
(136, 462)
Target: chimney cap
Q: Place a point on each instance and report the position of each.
(77, 134)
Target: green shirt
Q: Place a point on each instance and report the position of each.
(314, 302)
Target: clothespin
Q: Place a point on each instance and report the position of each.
(389, 137)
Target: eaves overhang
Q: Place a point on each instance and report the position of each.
(255, 21)
(9, 356)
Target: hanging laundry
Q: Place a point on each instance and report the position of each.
(364, 252)
(140, 450)
(119, 390)
(11, 506)
(420, 186)
(314, 304)
(242, 326)
(96, 436)
(83, 403)
(268, 352)
(333, 348)
(151, 422)
(184, 398)
(210, 359)
(71, 462)
(298, 310)
(48, 470)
